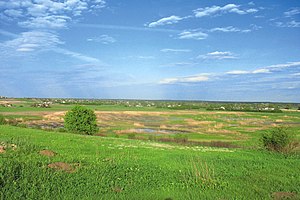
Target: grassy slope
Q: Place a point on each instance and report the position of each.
(113, 168)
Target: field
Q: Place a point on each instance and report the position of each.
(145, 152)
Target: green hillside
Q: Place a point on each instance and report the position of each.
(93, 167)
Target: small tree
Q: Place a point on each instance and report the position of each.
(277, 139)
(81, 120)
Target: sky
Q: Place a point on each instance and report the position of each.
(151, 49)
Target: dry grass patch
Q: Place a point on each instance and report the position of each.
(222, 131)
(195, 122)
(56, 116)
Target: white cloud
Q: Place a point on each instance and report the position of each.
(218, 55)
(180, 64)
(261, 71)
(33, 41)
(175, 50)
(218, 10)
(257, 71)
(238, 72)
(204, 77)
(52, 22)
(196, 35)
(290, 24)
(282, 66)
(169, 81)
(166, 20)
(229, 29)
(13, 13)
(195, 79)
(292, 12)
(145, 57)
(37, 41)
(104, 39)
(267, 69)
(48, 14)
(187, 79)
(255, 27)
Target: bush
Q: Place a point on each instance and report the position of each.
(2, 120)
(81, 120)
(279, 139)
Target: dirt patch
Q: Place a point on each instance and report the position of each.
(48, 153)
(283, 195)
(2, 149)
(62, 166)
(117, 189)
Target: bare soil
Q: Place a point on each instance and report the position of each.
(2, 149)
(48, 153)
(62, 166)
(284, 195)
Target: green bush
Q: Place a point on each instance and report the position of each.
(81, 120)
(278, 139)
(2, 120)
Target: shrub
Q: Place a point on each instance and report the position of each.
(2, 120)
(279, 139)
(81, 120)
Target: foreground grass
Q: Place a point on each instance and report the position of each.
(112, 168)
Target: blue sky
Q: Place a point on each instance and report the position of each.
(151, 49)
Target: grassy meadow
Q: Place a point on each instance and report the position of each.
(145, 152)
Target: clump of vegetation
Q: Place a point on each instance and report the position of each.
(279, 139)
(2, 120)
(81, 120)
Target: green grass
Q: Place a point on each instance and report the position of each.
(113, 168)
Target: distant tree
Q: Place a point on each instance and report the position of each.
(81, 120)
